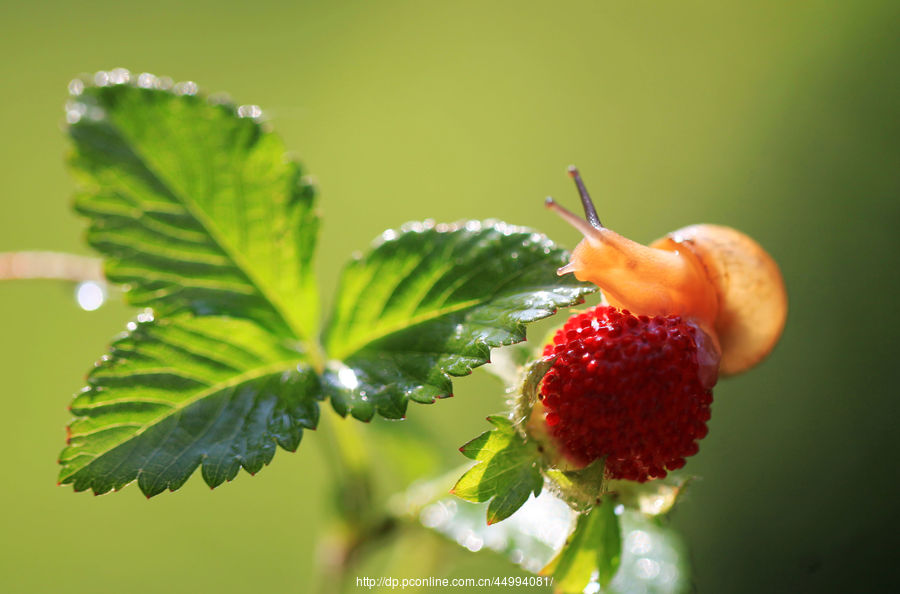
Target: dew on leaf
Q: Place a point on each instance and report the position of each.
(647, 569)
(249, 111)
(119, 76)
(146, 80)
(471, 541)
(348, 378)
(76, 87)
(187, 87)
(74, 111)
(638, 542)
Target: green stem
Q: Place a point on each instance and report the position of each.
(358, 521)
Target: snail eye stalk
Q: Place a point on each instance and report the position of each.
(590, 212)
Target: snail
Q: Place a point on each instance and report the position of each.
(711, 275)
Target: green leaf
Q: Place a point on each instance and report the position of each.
(428, 302)
(195, 208)
(581, 488)
(185, 391)
(595, 545)
(507, 470)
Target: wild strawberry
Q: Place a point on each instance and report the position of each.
(630, 389)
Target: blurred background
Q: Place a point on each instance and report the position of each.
(776, 118)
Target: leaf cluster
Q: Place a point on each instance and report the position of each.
(506, 473)
(204, 221)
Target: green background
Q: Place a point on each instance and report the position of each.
(776, 118)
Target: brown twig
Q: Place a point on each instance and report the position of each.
(50, 265)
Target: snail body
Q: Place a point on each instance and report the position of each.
(629, 382)
(711, 275)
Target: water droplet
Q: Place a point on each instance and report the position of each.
(90, 295)
(146, 80)
(434, 515)
(131, 326)
(472, 541)
(76, 87)
(119, 76)
(619, 509)
(348, 378)
(145, 317)
(74, 111)
(101, 78)
(164, 83)
(187, 87)
(638, 542)
(249, 111)
(646, 568)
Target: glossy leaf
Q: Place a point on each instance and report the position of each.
(594, 547)
(506, 473)
(198, 213)
(428, 302)
(195, 208)
(182, 392)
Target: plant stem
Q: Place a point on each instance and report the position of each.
(360, 521)
(50, 265)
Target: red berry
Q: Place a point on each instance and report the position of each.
(627, 388)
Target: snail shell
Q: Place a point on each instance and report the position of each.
(750, 294)
(715, 276)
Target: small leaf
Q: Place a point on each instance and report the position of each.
(186, 391)
(581, 488)
(196, 208)
(428, 302)
(507, 470)
(595, 545)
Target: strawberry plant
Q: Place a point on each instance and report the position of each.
(203, 221)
